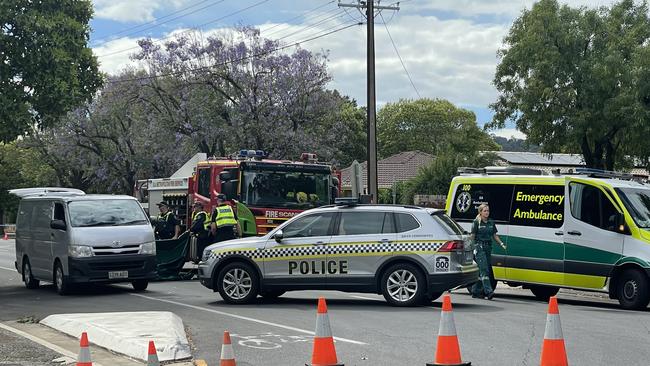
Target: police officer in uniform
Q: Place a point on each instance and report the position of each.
(225, 225)
(167, 225)
(200, 227)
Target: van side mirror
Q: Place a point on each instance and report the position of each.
(58, 225)
(278, 236)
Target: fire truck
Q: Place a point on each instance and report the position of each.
(263, 192)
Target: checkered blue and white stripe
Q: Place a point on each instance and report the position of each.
(336, 249)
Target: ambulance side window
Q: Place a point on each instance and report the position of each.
(538, 206)
(469, 196)
(312, 225)
(590, 205)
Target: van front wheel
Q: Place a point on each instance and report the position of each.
(60, 282)
(139, 285)
(633, 290)
(28, 277)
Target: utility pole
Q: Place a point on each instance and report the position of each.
(371, 163)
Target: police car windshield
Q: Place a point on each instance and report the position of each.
(285, 189)
(637, 202)
(106, 213)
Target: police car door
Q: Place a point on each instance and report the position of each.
(297, 259)
(361, 241)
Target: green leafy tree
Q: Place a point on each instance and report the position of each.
(46, 67)
(576, 79)
(431, 126)
(436, 177)
(21, 168)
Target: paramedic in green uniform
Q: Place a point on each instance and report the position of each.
(483, 231)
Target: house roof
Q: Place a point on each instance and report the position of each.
(531, 158)
(397, 168)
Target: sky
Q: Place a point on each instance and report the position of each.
(448, 47)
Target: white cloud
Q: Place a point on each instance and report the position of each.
(115, 61)
(451, 59)
(507, 8)
(509, 133)
(133, 11)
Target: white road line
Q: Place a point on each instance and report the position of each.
(245, 318)
(43, 342)
(8, 269)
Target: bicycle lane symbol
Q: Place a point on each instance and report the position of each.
(268, 341)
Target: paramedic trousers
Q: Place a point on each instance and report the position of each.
(483, 258)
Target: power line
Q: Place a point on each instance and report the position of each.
(105, 40)
(400, 57)
(294, 44)
(288, 26)
(335, 16)
(189, 30)
(151, 21)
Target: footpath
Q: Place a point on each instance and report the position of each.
(27, 343)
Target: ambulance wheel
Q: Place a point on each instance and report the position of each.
(238, 283)
(544, 293)
(270, 295)
(28, 277)
(632, 290)
(403, 284)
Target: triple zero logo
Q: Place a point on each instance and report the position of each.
(442, 264)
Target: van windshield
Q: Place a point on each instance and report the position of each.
(106, 213)
(637, 202)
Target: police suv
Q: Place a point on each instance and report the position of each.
(409, 254)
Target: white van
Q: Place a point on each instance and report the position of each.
(67, 237)
(589, 230)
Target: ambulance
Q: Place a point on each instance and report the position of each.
(587, 230)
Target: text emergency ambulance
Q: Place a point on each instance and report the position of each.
(587, 231)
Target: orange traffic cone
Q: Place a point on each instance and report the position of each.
(448, 350)
(152, 355)
(553, 351)
(84, 352)
(324, 353)
(227, 353)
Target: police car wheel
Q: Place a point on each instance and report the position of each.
(633, 290)
(238, 283)
(403, 285)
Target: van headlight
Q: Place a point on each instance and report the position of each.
(80, 251)
(148, 248)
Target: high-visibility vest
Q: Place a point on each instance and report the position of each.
(206, 223)
(225, 216)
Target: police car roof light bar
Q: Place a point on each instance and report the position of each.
(346, 201)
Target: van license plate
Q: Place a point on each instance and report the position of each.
(118, 274)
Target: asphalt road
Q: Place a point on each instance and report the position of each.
(505, 331)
